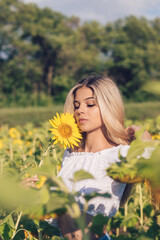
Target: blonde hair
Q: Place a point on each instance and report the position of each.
(110, 103)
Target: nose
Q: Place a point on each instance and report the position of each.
(80, 110)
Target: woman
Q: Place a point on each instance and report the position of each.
(98, 109)
(99, 112)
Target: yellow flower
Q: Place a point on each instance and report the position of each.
(156, 136)
(48, 216)
(30, 133)
(28, 143)
(14, 133)
(27, 175)
(148, 127)
(18, 142)
(41, 181)
(30, 152)
(1, 144)
(58, 168)
(65, 130)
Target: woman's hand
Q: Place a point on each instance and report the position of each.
(30, 182)
(134, 128)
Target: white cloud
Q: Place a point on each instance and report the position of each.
(103, 10)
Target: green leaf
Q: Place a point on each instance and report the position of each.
(6, 231)
(143, 237)
(158, 121)
(47, 169)
(11, 222)
(59, 182)
(93, 195)
(138, 146)
(152, 87)
(56, 201)
(81, 175)
(97, 224)
(43, 195)
(73, 210)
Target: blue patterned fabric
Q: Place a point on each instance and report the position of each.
(105, 237)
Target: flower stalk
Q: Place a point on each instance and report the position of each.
(16, 226)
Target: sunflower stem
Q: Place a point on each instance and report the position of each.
(45, 154)
(11, 151)
(125, 214)
(1, 167)
(141, 204)
(16, 226)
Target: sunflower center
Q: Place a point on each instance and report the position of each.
(65, 130)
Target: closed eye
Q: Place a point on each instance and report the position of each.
(90, 105)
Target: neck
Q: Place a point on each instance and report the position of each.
(96, 141)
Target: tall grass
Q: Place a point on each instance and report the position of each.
(21, 116)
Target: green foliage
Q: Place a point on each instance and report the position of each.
(141, 111)
(43, 53)
(153, 87)
(24, 151)
(22, 155)
(81, 175)
(141, 162)
(97, 225)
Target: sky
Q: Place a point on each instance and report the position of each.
(102, 11)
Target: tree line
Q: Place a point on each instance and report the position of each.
(43, 53)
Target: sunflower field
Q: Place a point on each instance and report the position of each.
(30, 213)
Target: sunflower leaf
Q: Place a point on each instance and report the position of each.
(81, 175)
(93, 195)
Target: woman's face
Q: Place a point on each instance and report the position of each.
(86, 110)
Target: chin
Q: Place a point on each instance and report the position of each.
(83, 129)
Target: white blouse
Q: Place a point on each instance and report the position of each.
(95, 164)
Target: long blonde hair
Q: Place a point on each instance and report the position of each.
(110, 103)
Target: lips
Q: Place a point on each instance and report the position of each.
(82, 120)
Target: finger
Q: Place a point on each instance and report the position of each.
(35, 176)
(29, 182)
(129, 129)
(31, 179)
(126, 129)
(30, 185)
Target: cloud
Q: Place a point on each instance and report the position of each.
(103, 10)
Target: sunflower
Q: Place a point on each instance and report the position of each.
(156, 136)
(14, 133)
(1, 144)
(65, 130)
(42, 180)
(18, 142)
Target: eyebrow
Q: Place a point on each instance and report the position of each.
(85, 99)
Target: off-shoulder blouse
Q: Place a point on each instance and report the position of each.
(96, 164)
